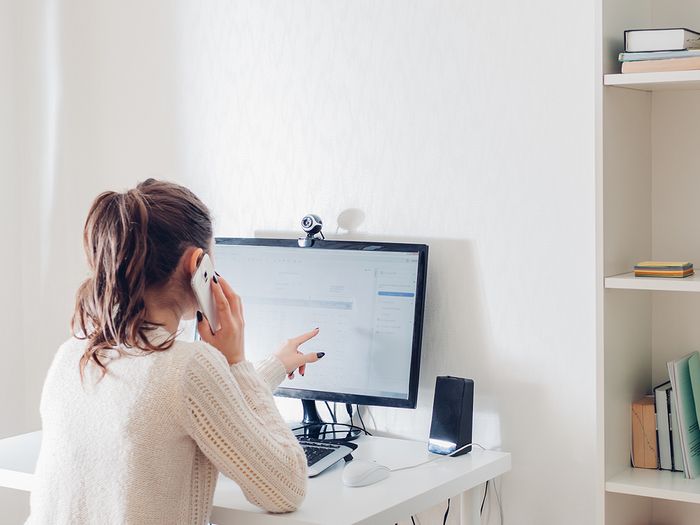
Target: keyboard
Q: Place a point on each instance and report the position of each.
(322, 454)
(314, 452)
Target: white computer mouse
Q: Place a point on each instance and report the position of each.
(359, 473)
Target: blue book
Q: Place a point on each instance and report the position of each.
(658, 55)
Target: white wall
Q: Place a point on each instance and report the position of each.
(14, 504)
(12, 369)
(464, 124)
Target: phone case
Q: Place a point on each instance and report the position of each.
(201, 286)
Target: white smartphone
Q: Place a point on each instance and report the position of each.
(201, 286)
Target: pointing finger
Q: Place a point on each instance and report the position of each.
(301, 339)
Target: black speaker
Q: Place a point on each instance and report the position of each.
(453, 409)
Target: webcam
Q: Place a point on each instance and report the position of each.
(312, 225)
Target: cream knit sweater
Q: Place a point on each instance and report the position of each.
(146, 443)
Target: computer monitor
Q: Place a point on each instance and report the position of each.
(367, 298)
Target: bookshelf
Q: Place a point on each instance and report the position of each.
(627, 281)
(655, 484)
(649, 179)
(676, 80)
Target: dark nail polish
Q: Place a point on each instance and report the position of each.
(320, 354)
(215, 279)
(199, 316)
(217, 273)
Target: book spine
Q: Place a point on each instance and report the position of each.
(656, 55)
(663, 433)
(676, 452)
(656, 66)
(688, 40)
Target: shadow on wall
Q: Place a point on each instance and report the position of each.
(457, 335)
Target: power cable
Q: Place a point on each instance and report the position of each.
(447, 512)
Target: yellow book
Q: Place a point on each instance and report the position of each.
(663, 264)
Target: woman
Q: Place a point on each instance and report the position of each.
(136, 424)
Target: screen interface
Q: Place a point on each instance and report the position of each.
(362, 301)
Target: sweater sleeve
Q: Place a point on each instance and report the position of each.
(232, 416)
(272, 371)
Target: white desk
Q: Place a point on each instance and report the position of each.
(328, 501)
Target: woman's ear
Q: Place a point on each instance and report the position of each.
(192, 258)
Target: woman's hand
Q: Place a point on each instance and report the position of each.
(292, 358)
(229, 338)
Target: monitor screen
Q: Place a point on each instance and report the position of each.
(366, 298)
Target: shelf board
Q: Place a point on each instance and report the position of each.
(660, 484)
(667, 80)
(627, 281)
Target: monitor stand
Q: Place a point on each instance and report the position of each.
(312, 426)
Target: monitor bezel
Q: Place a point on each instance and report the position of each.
(326, 244)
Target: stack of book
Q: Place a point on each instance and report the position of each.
(653, 50)
(670, 453)
(663, 269)
(665, 431)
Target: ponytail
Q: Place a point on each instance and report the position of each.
(132, 241)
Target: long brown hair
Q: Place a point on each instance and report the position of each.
(133, 241)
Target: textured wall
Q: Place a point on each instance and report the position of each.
(466, 125)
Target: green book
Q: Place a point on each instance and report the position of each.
(685, 383)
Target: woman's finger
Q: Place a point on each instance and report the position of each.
(312, 357)
(240, 307)
(300, 339)
(222, 304)
(299, 364)
(223, 309)
(233, 298)
(204, 328)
